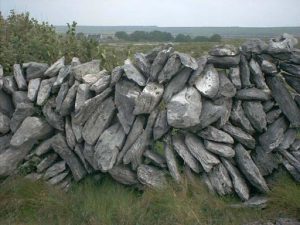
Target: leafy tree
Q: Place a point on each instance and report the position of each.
(215, 38)
(122, 35)
(200, 39)
(182, 38)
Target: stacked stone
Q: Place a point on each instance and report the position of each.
(229, 117)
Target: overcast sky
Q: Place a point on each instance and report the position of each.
(253, 13)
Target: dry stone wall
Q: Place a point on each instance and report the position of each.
(231, 117)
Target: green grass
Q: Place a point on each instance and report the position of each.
(107, 203)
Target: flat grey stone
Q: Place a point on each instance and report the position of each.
(187, 61)
(68, 103)
(274, 135)
(239, 135)
(75, 61)
(55, 67)
(92, 78)
(62, 76)
(292, 170)
(196, 73)
(142, 63)
(253, 94)
(220, 180)
(268, 67)
(83, 94)
(126, 94)
(33, 88)
(273, 115)
(116, 75)
(70, 137)
(58, 178)
(155, 158)
(161, 125)
(239, 183)
(293, 81)
(4, 123)
(213, 134)
(208, 82)
(238, 118)
(224, 50)
(148, 99)
(44, 147)
(102, 83)
(46, 162)
(1, 77)
(133, 74)
(171, 68)
(88, 153)
(226, 88)
(224, 61)
(52, 117)
(9, 84)
(79, 151)
(219, 149)
(249, 169)
(19, 77)
(34, 70)
(255, 113)
(54, 170)
(98, 121)
(288, 138)
(19, 97)
(234, 76)
(44, 91)
(108, 146)
(151, 176)
(5, 141)
(291, 159)
(282, 43)
(64, 88)
(257, 75)
(80, 70)
(61, 148)
(265, 162)
(196, 147)
(184, 108)
(22, 111)
(31, 129)
(123, 175)
(159, 62)
(6, 104)
(254, 45)
(268, 105)
(245, 72)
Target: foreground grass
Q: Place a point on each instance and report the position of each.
(106, 202)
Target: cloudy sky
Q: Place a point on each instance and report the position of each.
(249, 13)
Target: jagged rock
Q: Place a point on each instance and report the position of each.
(161, 126)
(171, 67)
(148, 99)
(206, 181)
(151, 177)
(252, 94)
(219, 149)
(54, 68)
(33, 88)
(61, 148)
(89, 107)
(224, 61)
(257, 75)
(133, 74)
(44, 91)
(296, 145)
(213, 134)
(288, 138)
(284, 100)
(256, 115)
(34, 70)
(224, 50)
(238, 118)
(296, 154)
(283, 43)
(184, 108)
(142, 63)
(54, 170)
(70, 137)
(52, 117)
(208, 82)
(1, 77)
(44, 147)
(92, 78)
(6, 105)
(68, 103)
(9, 84)
(126, 94)
(292, 170)
(108, 146)
(183, 151)
(249, 169)
(75, 61)
(239, 183)
(98, 121)
(123, 175)
(226, 88)
(294, 82)
(254, 46)
(4, 123)
(265, 162)
(259, 202)
(273, 115)
(159, 62)
(187, 61)
(196, 147)
(220, 180)
(58, 178)
(19, 97)
(80, 153)
(171, 159)
(31, 129)
(234, 75)
(22, 111)
(46, 162)
(245, 72)
(239, 135)
(177, 83)
(88, 153)
(80, 70)
(19, 77)
(64, 88)
(102, 83)
(116, 74)
(83, 94)
(274, 135)
(155, 158)
(63, 74)
(268, 67)
(226, 106)
(295, 56)
(268, 105)
(201, 65)
(5, 141)
(135, 132)
(136, 151)
(291, 159)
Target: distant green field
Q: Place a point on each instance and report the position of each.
(227, 32)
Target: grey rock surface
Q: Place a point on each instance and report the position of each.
(219, 149)
(151, 176)
(51, 116)
(256, 115)
(171, 67)
(80, 70)
(159, 62)
(55, 67)
(220, 180)
(33, 88)
(133, 74)
(171, 160)
(22, 111)
(252, 94)
(34, 70)
(44, 91)
(102, 83)
(161, 125)
(257, 75)
(216, 135)
(196, 73)
(19, 77)
(4, 123)
(123, 175)
(69, 101)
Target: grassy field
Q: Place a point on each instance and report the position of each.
(105, 202)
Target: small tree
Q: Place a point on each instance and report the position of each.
(215, 38)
